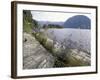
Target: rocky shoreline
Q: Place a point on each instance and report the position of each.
(34, 54)
(41, 52)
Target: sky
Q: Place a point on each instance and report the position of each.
(54, 16)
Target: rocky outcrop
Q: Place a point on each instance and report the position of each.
(34, 54)
(78, 58)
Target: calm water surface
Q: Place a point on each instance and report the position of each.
(73, 38)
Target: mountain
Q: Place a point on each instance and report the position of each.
(50, 22)
(78, 21)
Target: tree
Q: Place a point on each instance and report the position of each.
(28, 22)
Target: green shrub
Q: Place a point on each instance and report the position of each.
(39, 37)
(49, 45)
(44, 40)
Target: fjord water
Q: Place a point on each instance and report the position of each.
(73, 38)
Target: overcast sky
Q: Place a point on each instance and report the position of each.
(54, 16)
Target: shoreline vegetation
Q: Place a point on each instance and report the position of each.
(63, 56)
